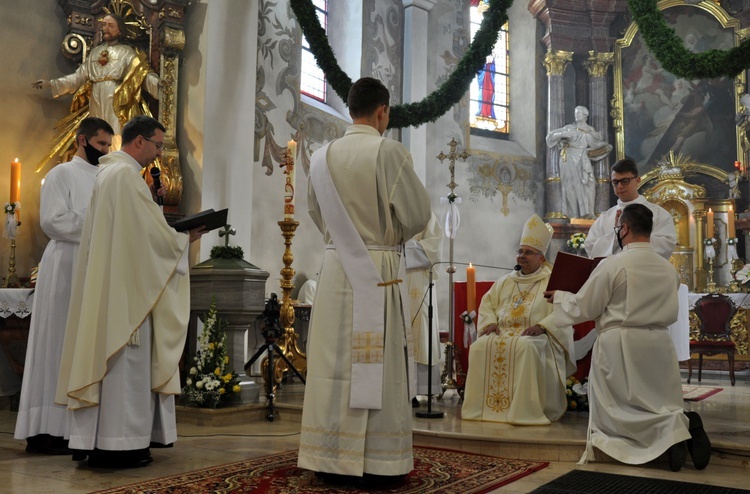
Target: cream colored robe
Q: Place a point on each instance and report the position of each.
(601, 240)
(388, 205)
(427, 250)
(64, 199)
(125, 272)
(518, 379)
(635, 392)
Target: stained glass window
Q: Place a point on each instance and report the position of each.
(489, 112)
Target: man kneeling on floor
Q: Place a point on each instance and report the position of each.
(635, 392)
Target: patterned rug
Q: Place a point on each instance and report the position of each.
(435, 471)
(698, 393)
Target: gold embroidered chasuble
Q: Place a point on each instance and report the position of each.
(512, 378)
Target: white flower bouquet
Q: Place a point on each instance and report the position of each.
(575, 242)
(208, 383)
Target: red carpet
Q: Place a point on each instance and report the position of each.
(435, 471)
(698, 393)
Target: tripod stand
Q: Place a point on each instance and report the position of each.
(270, 346)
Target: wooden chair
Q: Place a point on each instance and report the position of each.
(715, 312)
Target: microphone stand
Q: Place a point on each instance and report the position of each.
(429, 414)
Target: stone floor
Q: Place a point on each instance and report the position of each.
(726, 416)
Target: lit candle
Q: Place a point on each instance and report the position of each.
(289, 183)
(710, 224)
(471, 288)
(731, 233)
(15, 184)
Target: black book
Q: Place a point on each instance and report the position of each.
(210, 218)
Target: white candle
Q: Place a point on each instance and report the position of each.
(289, 183)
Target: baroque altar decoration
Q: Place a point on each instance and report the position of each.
(208, 383)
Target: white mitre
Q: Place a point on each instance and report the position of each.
(536, 233)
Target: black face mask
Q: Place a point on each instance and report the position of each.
(92, 154)
(619, 239)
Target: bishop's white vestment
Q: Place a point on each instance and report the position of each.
(387, 204)
(128, 317)
(601, 240)
(512, 378)
(635, 391)
(64, 198)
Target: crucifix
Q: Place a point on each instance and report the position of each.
(226, 232)
(448, 382)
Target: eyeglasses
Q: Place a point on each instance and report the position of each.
(159, 145)
(521, 252)
(623, 181)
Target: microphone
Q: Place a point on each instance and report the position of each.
(517, 267)
(156, 176)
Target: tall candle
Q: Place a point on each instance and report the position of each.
(471, 288)
(15, 184)
(289, 183)
(710, 224)
(731, 233)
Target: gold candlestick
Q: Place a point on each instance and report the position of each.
(11, 279)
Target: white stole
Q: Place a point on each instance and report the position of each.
(369, 295)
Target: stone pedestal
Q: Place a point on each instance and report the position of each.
(239, 289)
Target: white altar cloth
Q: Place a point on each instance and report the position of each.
(13, 302)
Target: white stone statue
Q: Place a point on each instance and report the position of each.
(579, 145)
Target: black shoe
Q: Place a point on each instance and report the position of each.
(677, 454)
(119, 459)
(337, 479)
(80, 454)
(34, 444)
(370, 481)
(698, 445)
(414, 402)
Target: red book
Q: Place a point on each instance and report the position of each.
(570, 272)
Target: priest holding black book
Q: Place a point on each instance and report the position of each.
(128, 315)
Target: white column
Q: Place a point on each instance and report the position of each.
(416, 34)
(231, 69)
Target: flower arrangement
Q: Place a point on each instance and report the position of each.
(575, 242)
(743, 275)
(209, 384)
(577, 393)
(227, 252)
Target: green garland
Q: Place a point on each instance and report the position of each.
(434, 105)
(661, 39)
(669, 49)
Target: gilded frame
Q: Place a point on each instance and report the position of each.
(643, 115)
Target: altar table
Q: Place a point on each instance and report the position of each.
(15, 317)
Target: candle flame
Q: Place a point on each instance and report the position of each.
(16, 160)
(470, 265)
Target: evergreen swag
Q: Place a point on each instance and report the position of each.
(669, 49)
(434, 105)
(661, 39)
(208, 383)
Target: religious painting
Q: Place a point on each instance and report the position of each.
(656, 113)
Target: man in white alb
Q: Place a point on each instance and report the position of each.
(366, 200)
(635, 391)
(128, 314)
(64, 198)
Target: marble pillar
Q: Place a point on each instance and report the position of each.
(555, 62)
(597, 65)
(416, 24)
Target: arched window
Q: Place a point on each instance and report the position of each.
(489, 109)
(312, 79)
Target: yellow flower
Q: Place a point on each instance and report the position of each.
(227, 378)
(222, 391)
(236, 388)
(210, 346)
(226, 359)
(573, 404)
(217, 371)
